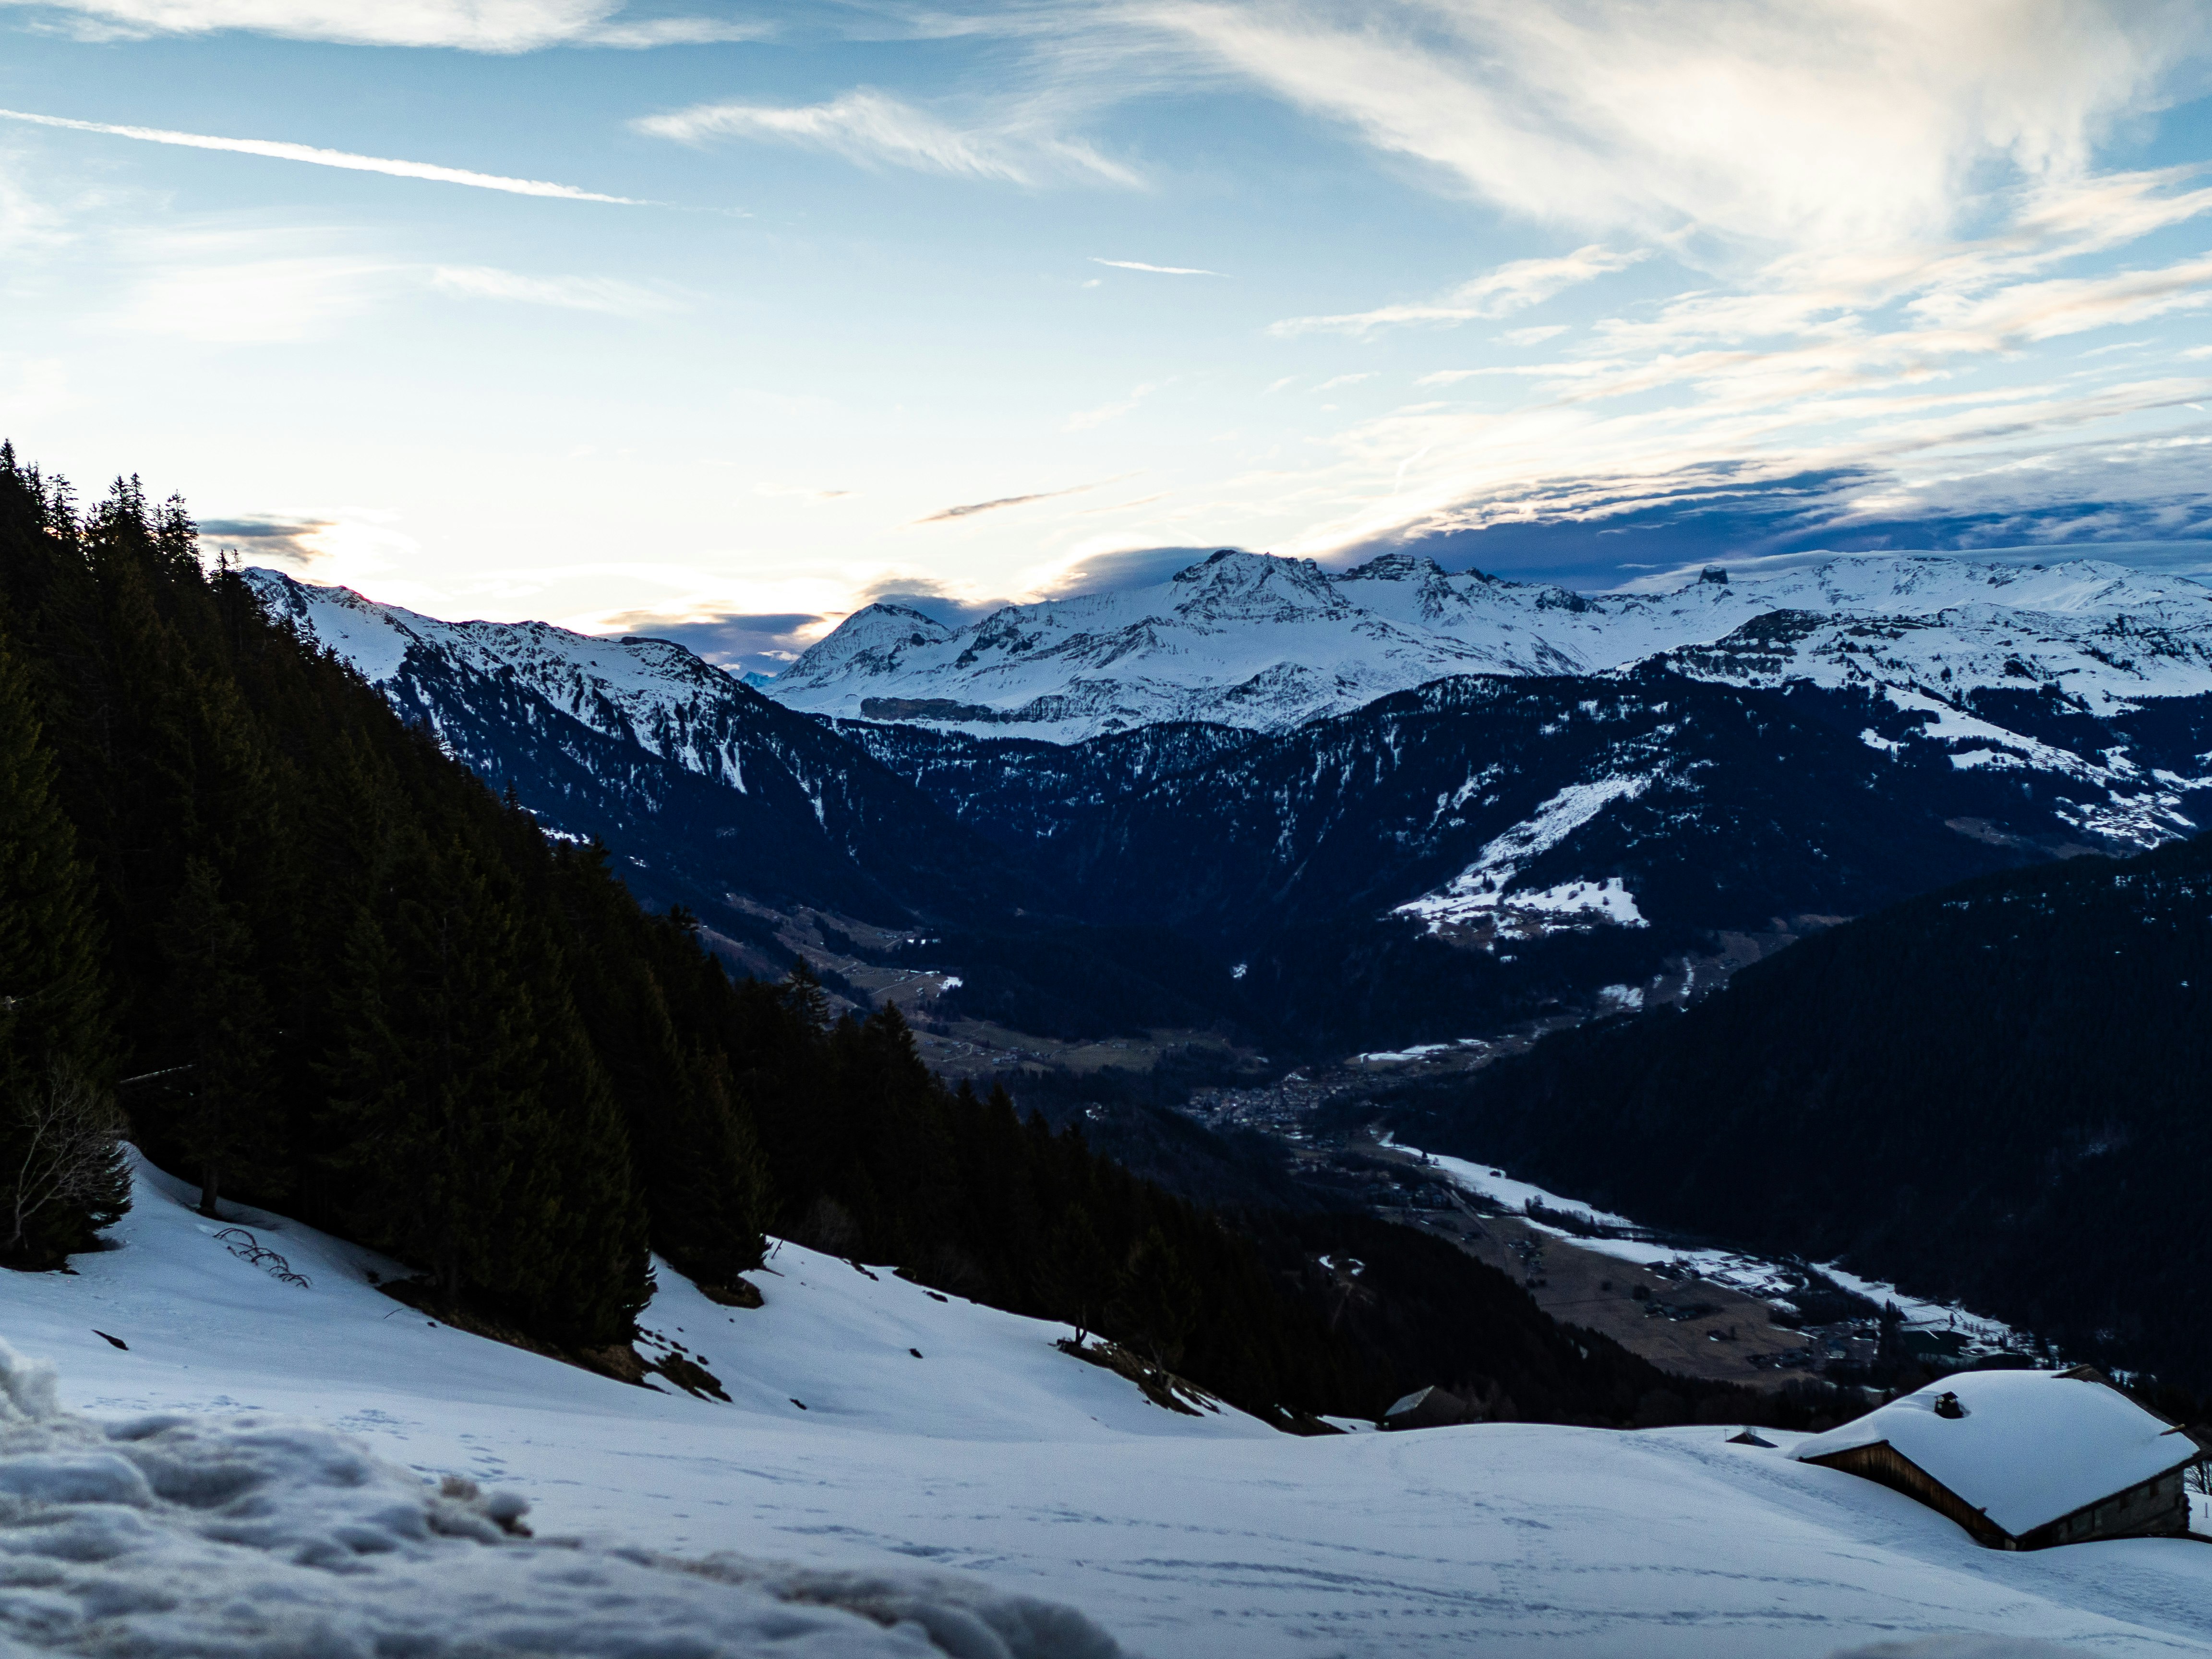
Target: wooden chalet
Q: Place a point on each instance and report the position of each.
(2024, 1460)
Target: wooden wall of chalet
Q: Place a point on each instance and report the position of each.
(1882, 1463)
(2156, 1509)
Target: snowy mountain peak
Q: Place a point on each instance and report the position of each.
(1396, 567)
(1266, 643)
(651, 691)
(1234, 586)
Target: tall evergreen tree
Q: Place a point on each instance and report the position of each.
(61, 1171)
(224, 1120)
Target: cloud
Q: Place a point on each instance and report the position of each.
(672, 32)
(1122, 507)
(609, 295)
(253, 302)
(489, 25)
(1998, 478)
(269, 539)
(1345, 379)
(801, 493)
(1734, 123)
(1536, 336)
(2092, 500)
(1135, 567)
(954, 606)
(1921, 363)
(763, 641)
(1157, 270)
(1510, 288)
(973, 507)
(1084, 421)
(874, 128)
(327, 158)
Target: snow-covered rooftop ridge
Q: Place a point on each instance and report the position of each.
(252, 1534)
(1249, 639)
(2028, 1447)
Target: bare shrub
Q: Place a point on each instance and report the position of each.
(829, 1227)
(68, 1152)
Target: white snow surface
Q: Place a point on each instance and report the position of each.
(1483, 890)
(993, 1457)
(1268, 643)
(1504, 1191)
(171, 1533)
(1628, 1241)
(2033, 1446)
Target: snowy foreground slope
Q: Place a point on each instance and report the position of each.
(992, 1457)
(1246, 640)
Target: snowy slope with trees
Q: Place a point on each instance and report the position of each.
(991, 1457)
(1247, 640)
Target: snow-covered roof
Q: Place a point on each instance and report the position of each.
(2032, 1446)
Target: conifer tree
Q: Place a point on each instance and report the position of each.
(224, 1120)
(61, 1171)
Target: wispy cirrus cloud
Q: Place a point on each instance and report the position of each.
(1156, 270)
(278, 151)
(874, 128)
(970, 508)
(1510, 288)
(1086, 419)
(226, 292)
(1733, 122)
(488, 26)
(1889, 213)
(608, 294)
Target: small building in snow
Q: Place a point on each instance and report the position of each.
(1429, 1408)
(2024, 1460)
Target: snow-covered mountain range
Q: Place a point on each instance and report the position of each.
(1266, 644)
(1625, 798)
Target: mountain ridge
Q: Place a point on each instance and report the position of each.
(1266, 643)
(1468, 854)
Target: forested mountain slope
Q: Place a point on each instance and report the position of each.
(706, 784)
(2000, 1094)
(1486, 850)
(712, 797)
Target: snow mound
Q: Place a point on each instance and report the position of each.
(177, 1534)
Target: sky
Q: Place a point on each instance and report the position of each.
(717, 318)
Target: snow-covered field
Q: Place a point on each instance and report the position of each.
(995, 1456)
